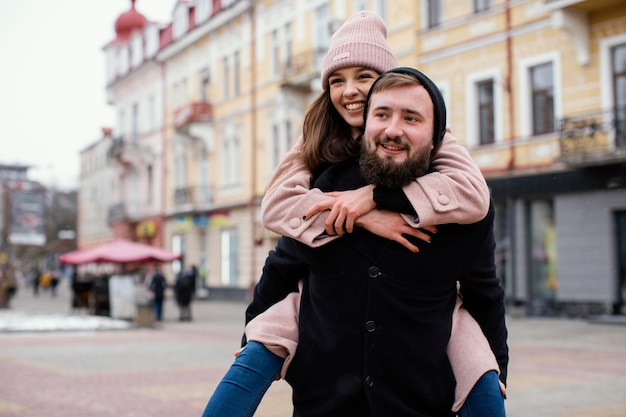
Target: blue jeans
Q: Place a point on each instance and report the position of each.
(485, 399)
(240, 391)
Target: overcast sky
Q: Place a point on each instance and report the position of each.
(52, 80)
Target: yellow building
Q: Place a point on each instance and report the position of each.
(536, 89)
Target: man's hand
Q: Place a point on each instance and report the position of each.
(345, 208)
(392, 226)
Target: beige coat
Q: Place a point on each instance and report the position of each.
(456, 193)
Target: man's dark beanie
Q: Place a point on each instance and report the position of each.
(439, 106)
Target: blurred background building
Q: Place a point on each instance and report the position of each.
(208, 103)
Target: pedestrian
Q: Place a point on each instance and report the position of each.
(158, 285)
(35, 280)
(8, 285)
(183, 288)
(54, 282)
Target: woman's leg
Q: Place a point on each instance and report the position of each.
(485, 399)
(240, 391)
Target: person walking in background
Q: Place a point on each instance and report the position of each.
(8, 285)
(158, 285)
(183, 288)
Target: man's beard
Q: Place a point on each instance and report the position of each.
(385, 172)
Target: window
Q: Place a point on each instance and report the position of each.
(134, 135)
(230, 163)
(274, 52)
(236, 80)
(288, 137)
(181, 21)
(321, 33)
(481, 5)
(225, 87)
(542, 98)
(151, 114)
(382, 9)
(204, 85)
(618, 70)
(360, 5)
(433, 13)
(230, 257)
(150, 180)
(180, 93)
(275, 147)
(288, 46)
(486, 119)
(204, 9)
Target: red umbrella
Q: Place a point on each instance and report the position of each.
(118, 251)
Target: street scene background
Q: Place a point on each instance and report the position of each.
(55, 362)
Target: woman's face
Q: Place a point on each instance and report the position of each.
(348, 89)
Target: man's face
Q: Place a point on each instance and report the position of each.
(398, 136)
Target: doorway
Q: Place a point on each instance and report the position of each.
(620, 230)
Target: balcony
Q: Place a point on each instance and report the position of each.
(193, 198)
(117, 213)
(594, 138)
(302, 69)
(190, 114)
(125, 152)
(583, 5)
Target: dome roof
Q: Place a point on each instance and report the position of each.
(128, 22)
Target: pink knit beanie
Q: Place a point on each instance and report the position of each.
(360, 42)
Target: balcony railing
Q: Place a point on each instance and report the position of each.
(193, 196)
(303, 68)
(124, 151)
(192, 113)
(117, 213)
(594, 135)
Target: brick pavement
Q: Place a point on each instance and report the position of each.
(558, 367)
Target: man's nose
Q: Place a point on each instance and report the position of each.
(393, 129)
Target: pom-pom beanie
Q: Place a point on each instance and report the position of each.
(360, 42)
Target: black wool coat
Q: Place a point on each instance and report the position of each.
(375, 318)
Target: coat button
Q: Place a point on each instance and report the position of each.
(373, 272)
(369, 381)
(370, 326)
(295, 223)
(443, 199)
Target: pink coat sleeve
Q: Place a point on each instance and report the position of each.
(456, 193)
(288, 197)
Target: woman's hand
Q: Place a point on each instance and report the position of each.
(392, 226)
(345, 208)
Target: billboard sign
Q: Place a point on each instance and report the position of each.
(27, 221)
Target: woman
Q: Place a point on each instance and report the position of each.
(357, 55)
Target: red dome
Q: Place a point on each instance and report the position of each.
(128, 22)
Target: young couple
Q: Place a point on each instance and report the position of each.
(376, 327)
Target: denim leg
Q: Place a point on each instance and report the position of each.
(485, 399)
(240, 391)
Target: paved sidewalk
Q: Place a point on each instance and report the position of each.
(559, 368)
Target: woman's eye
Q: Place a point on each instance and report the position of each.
(334, 80)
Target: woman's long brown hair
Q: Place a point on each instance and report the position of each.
(327, 137)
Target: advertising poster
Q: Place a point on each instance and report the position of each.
(27, 221)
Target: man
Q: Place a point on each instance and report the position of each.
(375, 318)
(158, 285)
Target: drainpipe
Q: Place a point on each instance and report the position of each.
(253, 125)
(511, 212)
(509, 86)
